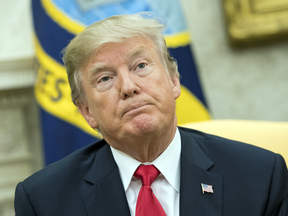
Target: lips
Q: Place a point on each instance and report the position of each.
(134, 107)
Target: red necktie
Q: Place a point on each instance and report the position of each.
(147, 203)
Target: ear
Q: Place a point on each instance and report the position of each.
(85, 112)
(176, 86)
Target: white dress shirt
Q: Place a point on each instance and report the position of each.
(166, 187)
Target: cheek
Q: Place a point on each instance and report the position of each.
(105, 107)
(160, 89)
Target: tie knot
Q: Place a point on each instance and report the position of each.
(147, 174)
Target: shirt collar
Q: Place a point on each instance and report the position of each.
(168, 163)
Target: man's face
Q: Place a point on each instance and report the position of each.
(129, 94)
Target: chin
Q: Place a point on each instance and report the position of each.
(144, 125)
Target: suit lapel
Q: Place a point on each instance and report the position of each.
(103, 192)
(195, 167)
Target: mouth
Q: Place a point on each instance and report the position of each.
(134, 108)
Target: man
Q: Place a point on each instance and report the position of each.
(125, 84)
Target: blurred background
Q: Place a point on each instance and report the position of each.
(235, 78)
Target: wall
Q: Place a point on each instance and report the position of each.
(250, 83)
(16, 30)
(20, 137)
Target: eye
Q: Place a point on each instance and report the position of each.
(105, 79)
(141, 65)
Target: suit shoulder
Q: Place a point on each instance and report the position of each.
(233, 150)
(247, 168)
(77, 164)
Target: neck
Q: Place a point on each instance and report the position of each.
(147, 148)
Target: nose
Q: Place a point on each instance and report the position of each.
(127, 84)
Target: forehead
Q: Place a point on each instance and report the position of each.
(112, 54)
(127, 48)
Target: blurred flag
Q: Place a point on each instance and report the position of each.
(55, 23)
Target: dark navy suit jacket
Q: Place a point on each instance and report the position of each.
(247, 181)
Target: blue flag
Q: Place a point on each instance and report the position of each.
(56, 22)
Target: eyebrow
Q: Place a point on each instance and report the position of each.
(100, 66)
(139, 51)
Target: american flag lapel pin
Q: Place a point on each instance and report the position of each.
(206, 188)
